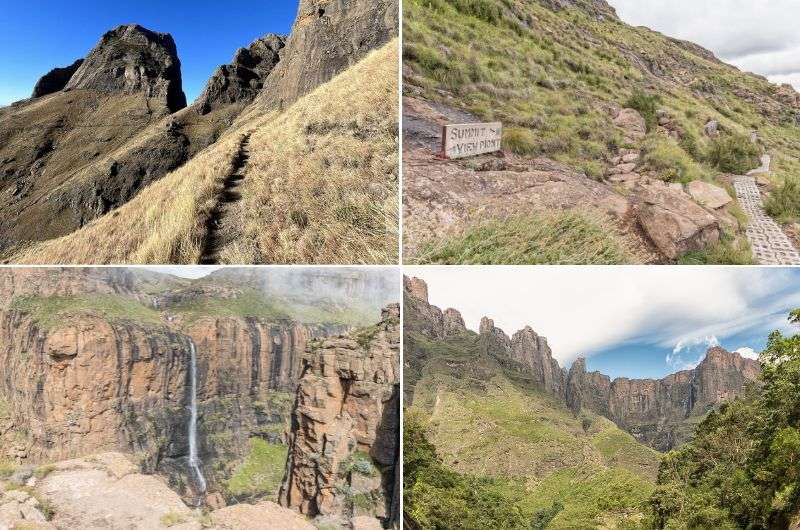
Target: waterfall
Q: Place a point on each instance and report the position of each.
(194, 462)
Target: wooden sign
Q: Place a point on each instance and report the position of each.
(470, 139)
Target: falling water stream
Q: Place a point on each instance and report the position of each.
(194, 461)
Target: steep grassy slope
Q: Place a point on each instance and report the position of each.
(317, 191)
(556, 71)
(556, 76)
(489, 422)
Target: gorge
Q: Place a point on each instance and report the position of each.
(195, 382)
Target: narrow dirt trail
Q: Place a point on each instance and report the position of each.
(214, 240)
(771, 246)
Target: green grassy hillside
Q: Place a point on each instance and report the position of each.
(497, 436)
(554, 75)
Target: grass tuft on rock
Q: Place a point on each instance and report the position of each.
(50, 311)
(554, 238)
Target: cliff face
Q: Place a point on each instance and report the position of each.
(90, 379)
(132, 59)
(327, 38)
(344, 440)
(654, 411)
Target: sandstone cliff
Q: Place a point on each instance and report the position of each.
(344, 438)
(96, 360)
(657, 412)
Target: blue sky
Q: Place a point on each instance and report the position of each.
(627, 321)
(38, 35)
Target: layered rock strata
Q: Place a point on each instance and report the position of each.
(344, 439)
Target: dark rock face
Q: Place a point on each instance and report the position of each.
(243, 79)
(132, 59)
(55, 80)
(326, 39)
(657, 412)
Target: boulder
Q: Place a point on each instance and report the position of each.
(711, 128)
(630, 157)
(254, 517)
(366, 523)
(673, 222)
(708, 195)
(632, 123)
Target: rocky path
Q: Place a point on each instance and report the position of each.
(213, 242)
(771, 246)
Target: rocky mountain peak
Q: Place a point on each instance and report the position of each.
(131, 59)
(55, 80)
(244, 78)
(416, 287)
(453, 322)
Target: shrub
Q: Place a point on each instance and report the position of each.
(733, 153)
(647, 105)
(519, 140)
(784, 202)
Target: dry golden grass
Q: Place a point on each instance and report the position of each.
(329, 162)
(321, 185)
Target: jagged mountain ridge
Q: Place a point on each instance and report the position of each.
(658, 413)
(91, 170)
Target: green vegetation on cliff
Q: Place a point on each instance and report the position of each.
(484, 443)
(50, 311)
(742, 470)
(260, 475)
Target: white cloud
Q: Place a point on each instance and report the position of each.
(758, 36)
(583, 310)
(694, 348)
(747, 352)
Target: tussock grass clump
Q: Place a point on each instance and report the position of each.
(733, 153)
(729, 251)
(647, 105)
(783, 202)
(520, 141)
(671, 163)
(555, 238)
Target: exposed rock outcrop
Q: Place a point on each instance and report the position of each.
(327, 38)
(344, 440)
(654, 411)
(55, 80)
(532, 350)
(131, 59)
(243, 79)
(675, 224)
